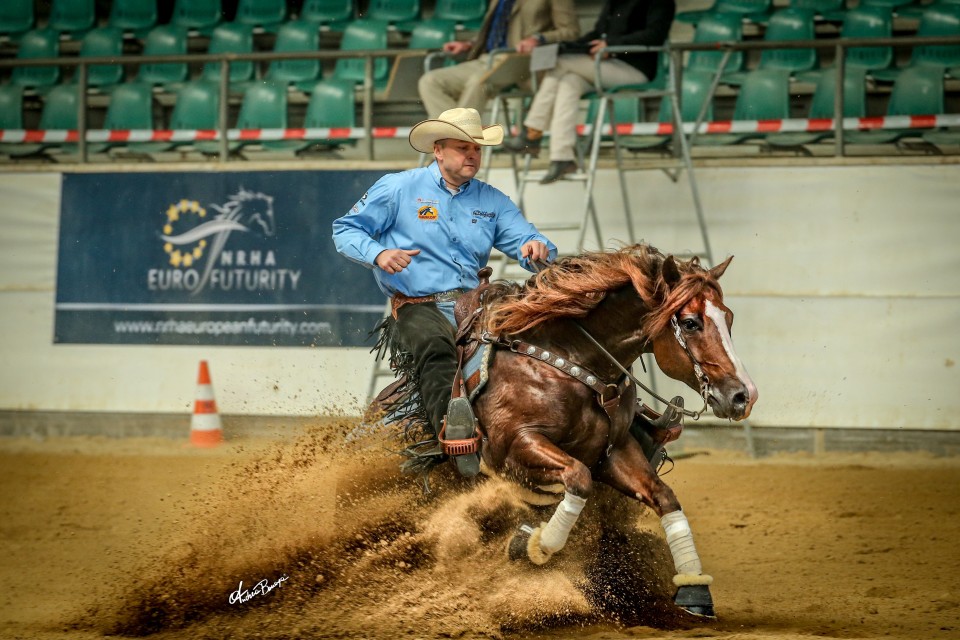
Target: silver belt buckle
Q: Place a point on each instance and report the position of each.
(449, 296)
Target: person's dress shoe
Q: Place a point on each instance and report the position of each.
(521, 144)
(558, 169)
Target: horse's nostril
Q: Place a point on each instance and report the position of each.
(739, 399)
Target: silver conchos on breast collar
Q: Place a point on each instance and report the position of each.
(608, 394)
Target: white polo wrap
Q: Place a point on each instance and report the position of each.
(554, 534)
(680, 539)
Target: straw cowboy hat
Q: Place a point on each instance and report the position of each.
(459, 124)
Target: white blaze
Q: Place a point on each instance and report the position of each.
(720, 321)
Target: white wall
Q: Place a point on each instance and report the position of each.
(846, 288)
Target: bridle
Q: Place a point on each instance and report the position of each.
(678, 334)
(697, 369)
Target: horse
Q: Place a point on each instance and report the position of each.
(559, 400)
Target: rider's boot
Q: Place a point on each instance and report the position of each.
(462, 425)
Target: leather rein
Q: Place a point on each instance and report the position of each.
(697, 369)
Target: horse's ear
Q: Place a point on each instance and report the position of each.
(670, 271)
(718, 270)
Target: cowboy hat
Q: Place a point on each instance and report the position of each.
(459, 124)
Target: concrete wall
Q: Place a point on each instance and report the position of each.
(845, 285)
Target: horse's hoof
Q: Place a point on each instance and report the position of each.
(695, 599)
(517, 547)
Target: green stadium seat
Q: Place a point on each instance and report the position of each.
(59, 113)
(821, 106)
(941, 19)
(695, 90)
(359, 35)
(231, 37)
(328, 15)
(197, 15)
(38, 43)
(105, 42)
(398, 14)
(264, 106)
(11, 118)
(135, 17)
(16, 18)
(764, 95)
(267, 15)
(917, 91)
(198, 107)
(166, 39)
(432, 34)
(72, 18)
(332, 105)
(785, 24)
(718, 27)
(829, 10)
(465, 14)
(131, 107)
(296, 36)
(746, 9)
(868, 22)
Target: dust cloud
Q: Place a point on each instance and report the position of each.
(343, 545)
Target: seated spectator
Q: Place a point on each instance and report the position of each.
(555, 107)
(517, 24)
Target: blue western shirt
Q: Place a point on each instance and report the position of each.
(454, 232)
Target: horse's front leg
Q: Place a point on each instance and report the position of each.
(534, 459)
(628, 470)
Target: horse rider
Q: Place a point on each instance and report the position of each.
(425, 233)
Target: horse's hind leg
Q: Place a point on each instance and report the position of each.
(534, 459)
(628, 470)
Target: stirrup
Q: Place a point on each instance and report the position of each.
(459, 437)
(671, 416)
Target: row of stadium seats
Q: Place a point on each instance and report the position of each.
(763, 95)
(132, 106)
(759, 11)
(292, 36)
(794, 24)
(74, 18)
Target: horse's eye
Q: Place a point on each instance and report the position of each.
(690, 324)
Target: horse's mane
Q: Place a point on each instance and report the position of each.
(575, 285)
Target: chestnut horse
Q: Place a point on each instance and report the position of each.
(559, 401)
(544, 426)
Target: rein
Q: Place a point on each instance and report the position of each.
(701, 376)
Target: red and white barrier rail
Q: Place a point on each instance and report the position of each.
(238, 135)
(793, 125)
(54, 136)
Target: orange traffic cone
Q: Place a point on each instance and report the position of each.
(205, 427)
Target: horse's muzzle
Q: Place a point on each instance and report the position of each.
(732, 401)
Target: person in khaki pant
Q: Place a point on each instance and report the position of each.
(515, 24)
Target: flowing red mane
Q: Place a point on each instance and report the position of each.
(574, 286)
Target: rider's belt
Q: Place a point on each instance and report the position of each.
(398, 299)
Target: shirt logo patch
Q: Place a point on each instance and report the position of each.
(427, 212)
(489, 215)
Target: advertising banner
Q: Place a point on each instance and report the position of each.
(211, 259)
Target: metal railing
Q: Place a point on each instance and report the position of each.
(675, 50)
(224, 59)
(839, 46)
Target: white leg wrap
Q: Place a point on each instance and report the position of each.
(680, 539)
(554, 534)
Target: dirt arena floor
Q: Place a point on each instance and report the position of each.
(149, 537)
